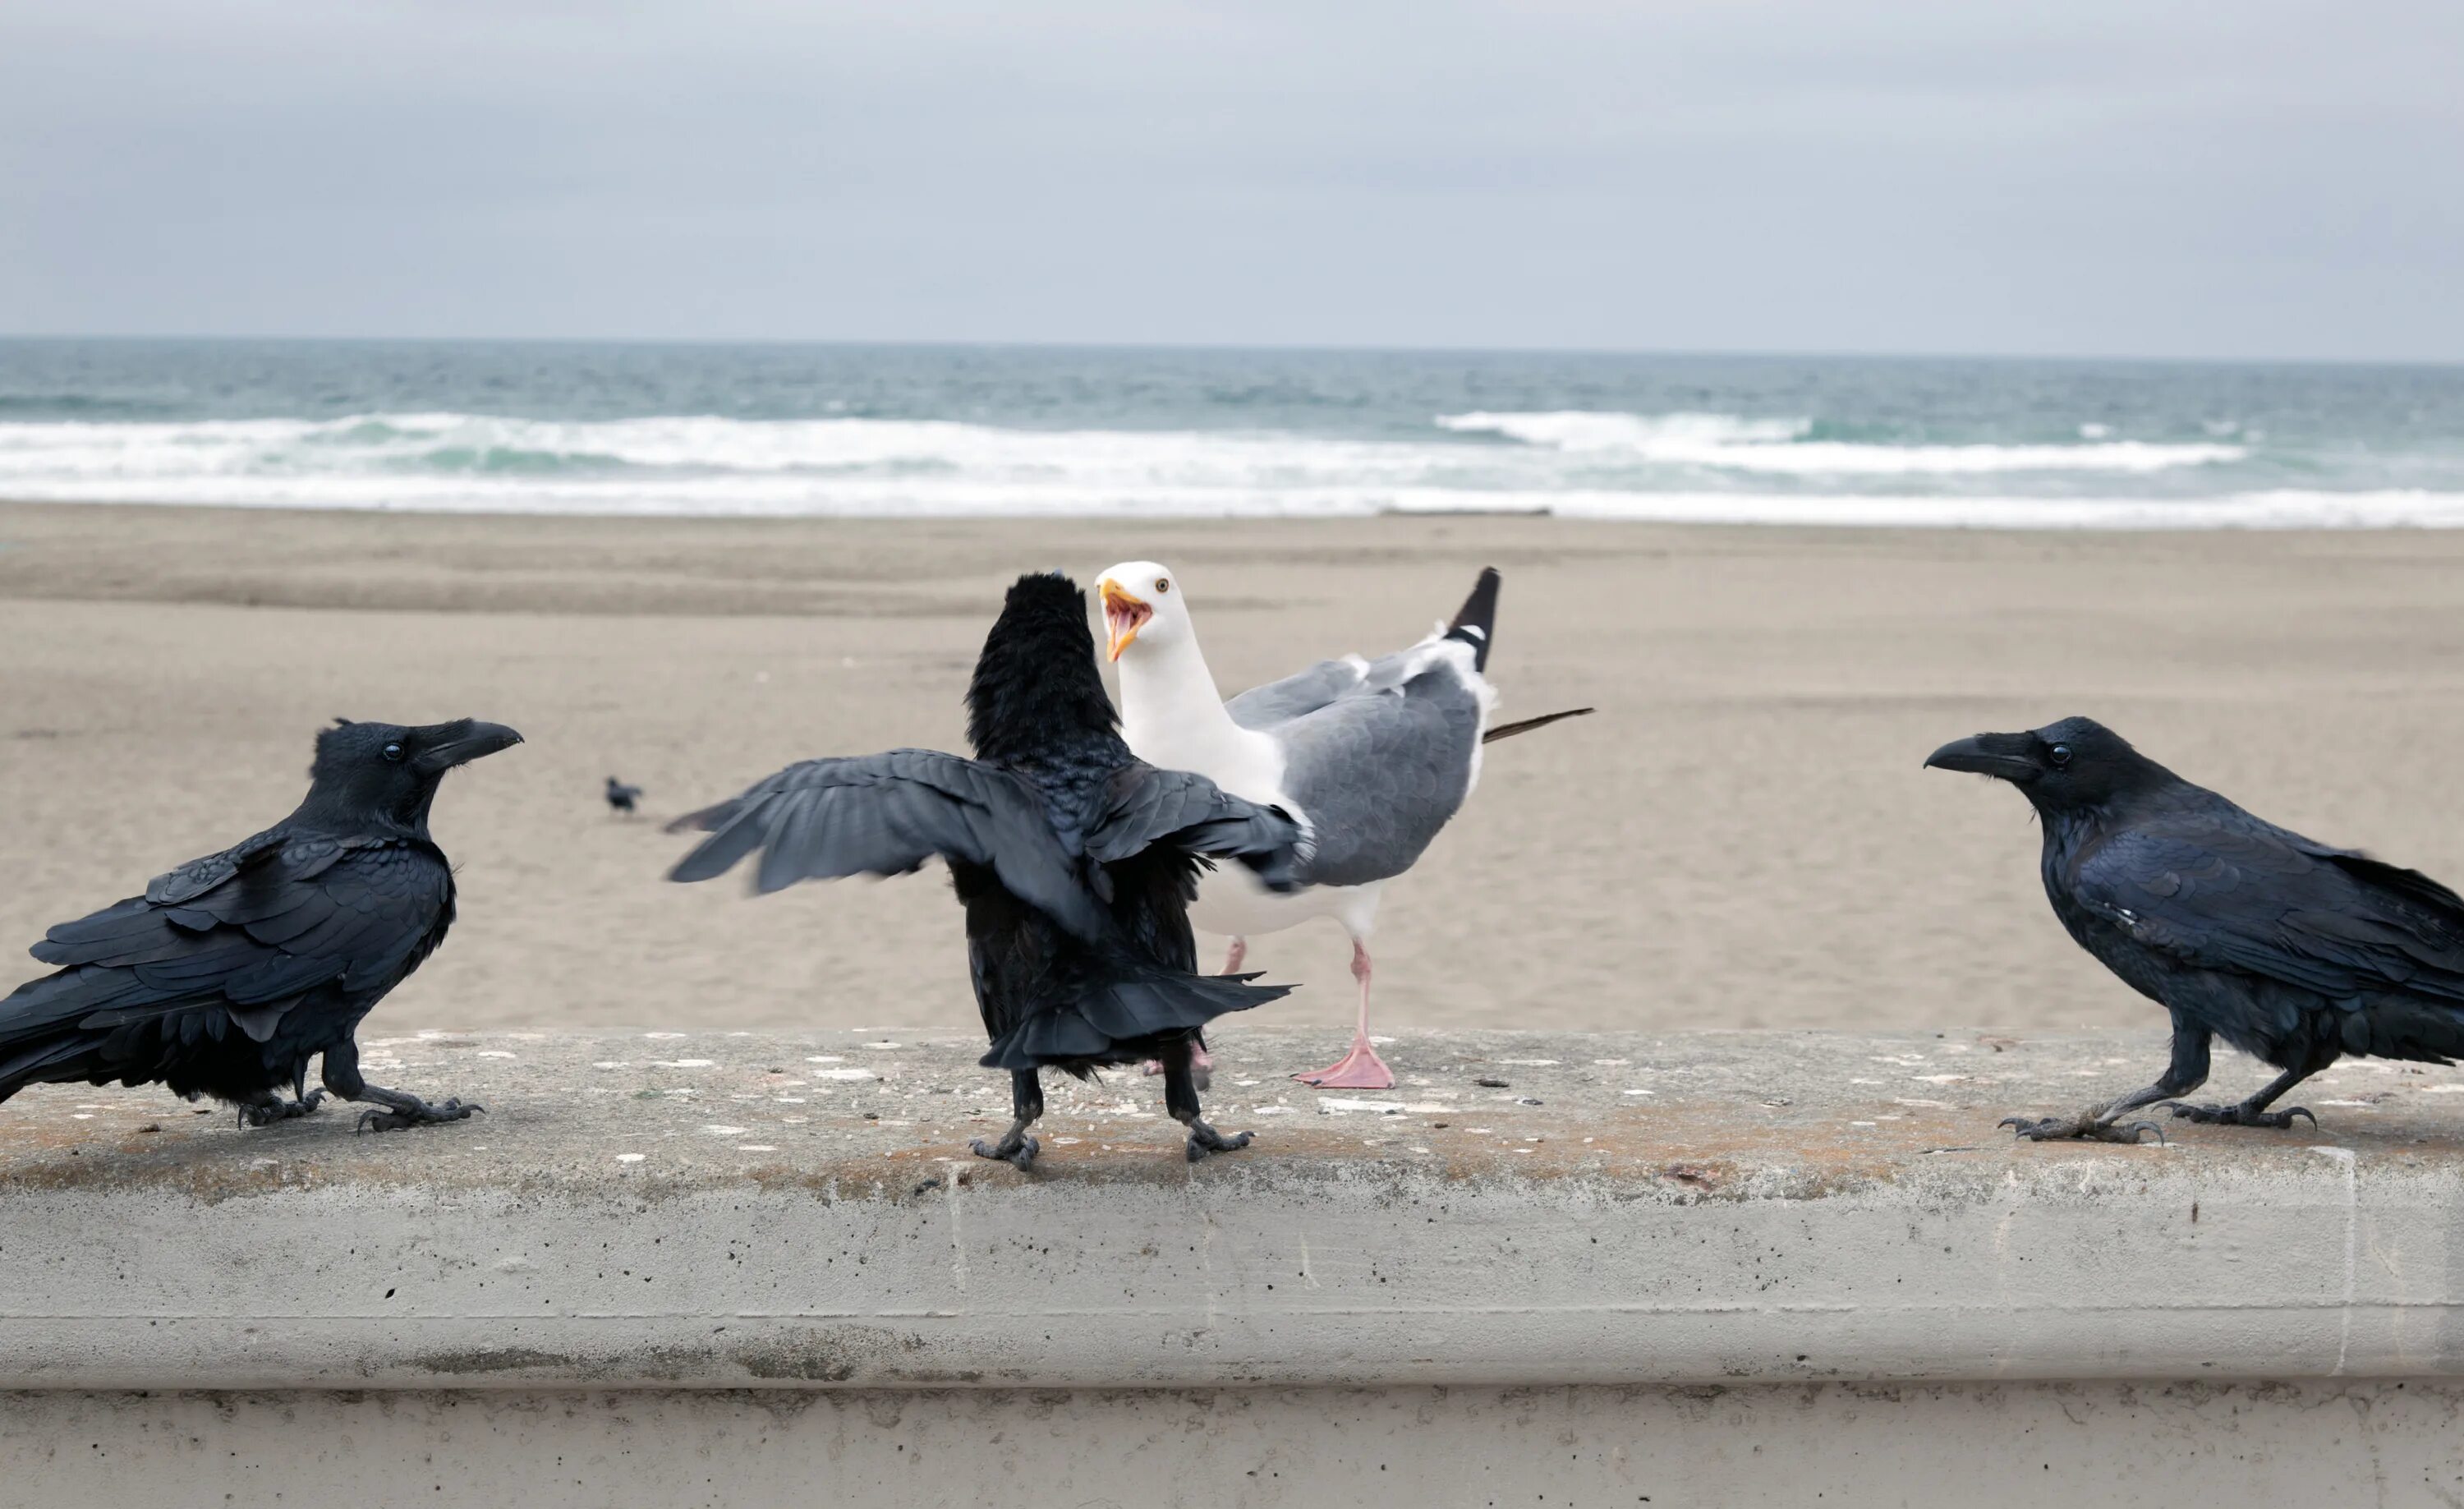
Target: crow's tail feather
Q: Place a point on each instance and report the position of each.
(40, 1039)
(1129, 1005)
(2423, 1029)
(96, 1024)
(1475, 623)
(1526, 725)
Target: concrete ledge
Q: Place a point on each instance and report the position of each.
(730, 1211)
(2010, 1446)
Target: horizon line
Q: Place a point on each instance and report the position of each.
(1735, 353)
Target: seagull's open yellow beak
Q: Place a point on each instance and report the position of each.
(1122, 615)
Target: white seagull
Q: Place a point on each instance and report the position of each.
(1371, 756)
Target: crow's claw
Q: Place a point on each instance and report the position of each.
(1018, 1151)
(273, 1108)
(2081, 1128)
(393, 1118)
(2240, 1115)
(1204, 1140)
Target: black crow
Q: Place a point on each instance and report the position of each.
(622, 797)
(231, 972)
(1074, 860)
(2291, 950)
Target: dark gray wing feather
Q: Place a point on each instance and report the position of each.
(887, 814)
(2223, 890)
(1144, 805)
(199, 875)
(253, 930)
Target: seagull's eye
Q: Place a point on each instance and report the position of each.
(393, 753)
(2060, 755)
(1163, 583)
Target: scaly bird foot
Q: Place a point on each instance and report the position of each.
(393, 1117)
(2240, 1115)
(273, 1108)
(2081, 1128)
(1204, 1140)
(1018, 1151)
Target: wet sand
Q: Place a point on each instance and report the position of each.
(1740, 837)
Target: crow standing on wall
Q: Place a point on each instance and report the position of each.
(2293, 951)
(231, 972)
(1075, 862)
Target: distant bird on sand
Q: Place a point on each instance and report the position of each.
(622, 797)
(1074, 862)
(1373, 757)
(2292, 950)
(231, 972)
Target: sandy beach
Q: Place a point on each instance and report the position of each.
(1742, 838)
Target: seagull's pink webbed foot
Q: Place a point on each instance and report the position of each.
(1360, 1069)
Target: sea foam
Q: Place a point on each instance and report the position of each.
(1678, 466)
(1726, 442)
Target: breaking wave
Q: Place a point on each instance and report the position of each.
(1678, 466)
(1789, 446)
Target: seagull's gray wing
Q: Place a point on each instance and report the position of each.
(1281, 702)
(1380, 768)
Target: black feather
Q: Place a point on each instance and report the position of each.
(1075, 862)
(1476, 621)
(1527, 725)
(234, 970)
(2292, 950)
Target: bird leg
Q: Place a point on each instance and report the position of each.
(268, 1108)
(389, 1110)
(2104, 1123)
(1180, 1099)
(1200, 1063)
(1360, 1069)
(1026, 1102)
(2254, 1111)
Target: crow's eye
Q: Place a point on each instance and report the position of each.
(393, 753)
(1163, 583)
(2060, 755)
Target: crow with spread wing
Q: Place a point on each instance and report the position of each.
(1076, 863)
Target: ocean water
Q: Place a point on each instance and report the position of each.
(1009, 432)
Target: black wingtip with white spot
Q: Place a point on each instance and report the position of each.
(1477, 619)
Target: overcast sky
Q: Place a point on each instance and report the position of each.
(2270, 178)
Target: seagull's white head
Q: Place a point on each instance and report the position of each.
(1142, 603)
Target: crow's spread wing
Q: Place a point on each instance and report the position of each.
(1145, 807)
(887, 814)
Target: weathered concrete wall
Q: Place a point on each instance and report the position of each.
(2007, 1445)
(1761, 1229)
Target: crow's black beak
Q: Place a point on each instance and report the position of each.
(461, 742)
(2002, 756)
